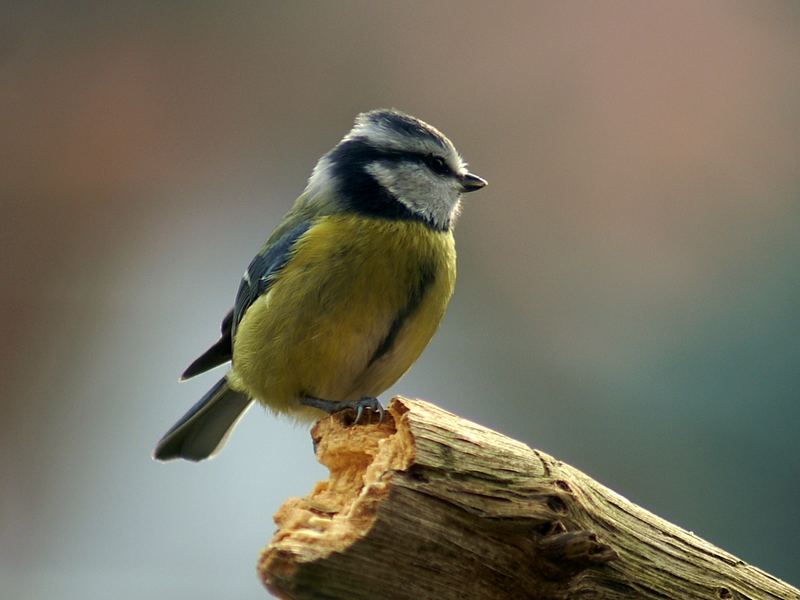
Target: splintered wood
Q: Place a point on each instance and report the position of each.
(341, 509)
(429, 505)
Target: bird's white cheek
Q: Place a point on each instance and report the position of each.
(382, 175)
(455, 211)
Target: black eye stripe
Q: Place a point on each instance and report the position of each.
(357, 153)
(437, 164)
(361, 191)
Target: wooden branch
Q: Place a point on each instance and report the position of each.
(429, 505)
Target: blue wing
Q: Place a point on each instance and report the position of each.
(262, 270)
(256, 282)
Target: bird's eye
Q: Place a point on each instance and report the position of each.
(437, 164)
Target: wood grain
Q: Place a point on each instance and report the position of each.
(429, 505)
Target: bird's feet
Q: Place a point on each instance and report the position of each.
(367, 403)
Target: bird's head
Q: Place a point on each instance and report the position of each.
(393, 165)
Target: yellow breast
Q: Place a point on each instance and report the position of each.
(350, 312)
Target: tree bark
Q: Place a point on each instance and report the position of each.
(429, 505)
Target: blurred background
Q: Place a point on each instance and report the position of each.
(628, 295)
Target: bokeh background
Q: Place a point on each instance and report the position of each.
(628, 300)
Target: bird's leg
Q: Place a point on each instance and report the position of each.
(358, 406)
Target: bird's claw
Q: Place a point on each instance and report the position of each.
(369, 403)
(366, 403)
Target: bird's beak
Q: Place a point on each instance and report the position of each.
(472, 183)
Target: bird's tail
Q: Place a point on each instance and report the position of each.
(203, 431)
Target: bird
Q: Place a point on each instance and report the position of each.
(346, 292)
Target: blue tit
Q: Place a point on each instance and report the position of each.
(347, 291)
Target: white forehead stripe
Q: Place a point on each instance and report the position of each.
(406, 134)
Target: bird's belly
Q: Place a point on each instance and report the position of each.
(329, 330)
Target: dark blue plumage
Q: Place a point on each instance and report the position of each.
(262, 270)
